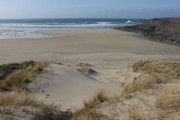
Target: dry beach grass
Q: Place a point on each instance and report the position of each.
(89, 112)
(14, 78)
(18, 107)
(17, 77)
(153, 72)
(166, 102)
(164, 106)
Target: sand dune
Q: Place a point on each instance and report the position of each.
(67, 86)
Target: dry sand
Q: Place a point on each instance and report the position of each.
(108, 52)
(68, 87)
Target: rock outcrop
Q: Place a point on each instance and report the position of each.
(158, 29)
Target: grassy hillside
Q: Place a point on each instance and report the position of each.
(159, 29)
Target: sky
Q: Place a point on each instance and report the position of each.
(23, 9)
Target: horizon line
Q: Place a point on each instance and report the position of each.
(70, 18)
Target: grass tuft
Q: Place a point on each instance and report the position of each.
(97, 99)
(153, 72)
(7, 69)
(168, 101)
(27, 105)
(17, 79)
(89, 111)
(134, 113)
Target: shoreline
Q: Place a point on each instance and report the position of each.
(39, 34)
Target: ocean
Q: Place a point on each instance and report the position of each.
(26, 28)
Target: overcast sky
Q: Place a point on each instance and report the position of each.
(10, 9)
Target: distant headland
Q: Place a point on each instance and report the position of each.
(158, 29)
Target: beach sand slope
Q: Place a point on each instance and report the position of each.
(67, 86)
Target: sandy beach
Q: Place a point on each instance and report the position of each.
(89, 60)
(92, 46)
(107, 52)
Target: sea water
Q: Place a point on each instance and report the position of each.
(26, 28)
